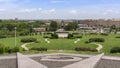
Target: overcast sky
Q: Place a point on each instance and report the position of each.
(59, 9)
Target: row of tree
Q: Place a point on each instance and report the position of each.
(68, 27)
(7, 27)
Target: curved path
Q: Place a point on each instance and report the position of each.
(99, 46)
(24, 46)
(47, 40)
(77, 41)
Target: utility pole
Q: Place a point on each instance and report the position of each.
(15, 36)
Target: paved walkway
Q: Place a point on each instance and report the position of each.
(57, 58)
(77, 41)
(25, 62)
(47, 40)
(24, 46)
(99, 46)
(87, 63)
(81, 55)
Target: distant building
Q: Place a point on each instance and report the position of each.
(105, 30)
(39, 29)
(62, 34)
(60, 30)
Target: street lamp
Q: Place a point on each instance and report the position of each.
(15, 36)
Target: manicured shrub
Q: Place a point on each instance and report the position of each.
(12, 49)
(7, 49)
(26, 40)
(2, 49)
(117, 37)
(115, 50)
(96, 40)
(3, 36)
(85, 49)
(46, 37)
(87, 42)
(105, 34)
(15, 49)
(93, 34)
(78, 36)
(75, 33)
(71, 36)
(54, 36)
(39, 49)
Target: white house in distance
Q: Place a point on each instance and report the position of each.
(62, 34)
(103, 30)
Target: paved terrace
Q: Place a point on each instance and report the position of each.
(10, 61)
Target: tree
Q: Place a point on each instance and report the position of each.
(53, 26)
(71, 26)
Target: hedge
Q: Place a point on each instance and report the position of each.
(3, 36)
(105, 34)
(78, 36)
(26, 40)
(115, 50)
(96, 40)
(85, 49)
(6, 49)
(46, 37)
(39, 49)
(117, 37)
(71, 36)
(2, 49)
(54, 36)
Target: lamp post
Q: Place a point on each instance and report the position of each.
(15, 36)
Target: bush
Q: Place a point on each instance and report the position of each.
(12, 50)
(39, 49)
(2, 49)
(85, 49)
(46, 37)
(96, 40)
(26, 40)
(115, 50)
(105, 34)
(93, 33)
(3, 36)
(117, 37)
(78, 36)
(70, 36)
(87, 42)
(75, 33)
(54, 36)
(6, 49)
(15, 49)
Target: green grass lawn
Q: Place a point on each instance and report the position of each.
(66, 44)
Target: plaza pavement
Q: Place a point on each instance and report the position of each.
(9, 61)
(25, 62)
(87, 63)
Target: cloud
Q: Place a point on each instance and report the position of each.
(111, 11)
(39, 10)
(1, 10)
(28, 10)
(58, 1)
(51, 10)
(73, 11)
(6, 1)
(48, 11)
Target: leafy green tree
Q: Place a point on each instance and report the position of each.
(71, 26)
(53, 26)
